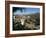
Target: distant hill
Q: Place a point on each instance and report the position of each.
(25, 14)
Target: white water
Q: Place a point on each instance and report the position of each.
(22, 21)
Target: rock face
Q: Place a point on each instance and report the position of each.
(26, 22)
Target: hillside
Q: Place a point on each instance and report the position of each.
(30, 22)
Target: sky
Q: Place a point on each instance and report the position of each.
(25, 11)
